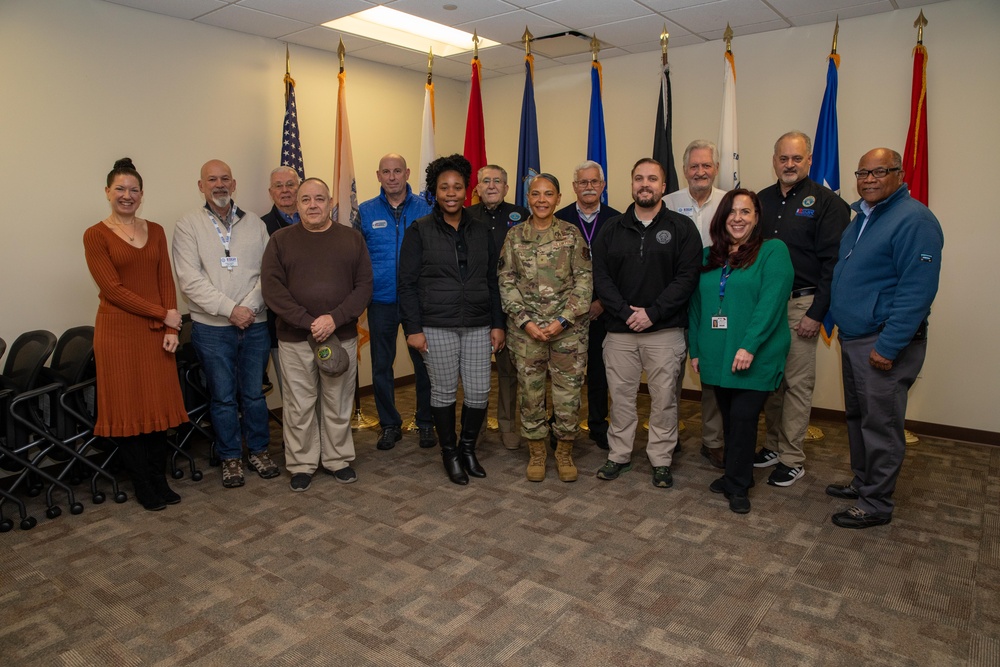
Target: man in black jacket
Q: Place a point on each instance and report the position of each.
(285, 211)
(587, 214)
(646, 266)
(500, 216)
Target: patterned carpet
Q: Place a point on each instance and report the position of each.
(405, 569)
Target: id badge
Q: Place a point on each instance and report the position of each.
(720, 322)
(229, 263)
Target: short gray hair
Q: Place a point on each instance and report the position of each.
(284, 167)
(495, 167)
(795, 134)
(699, 144)
(588, 164)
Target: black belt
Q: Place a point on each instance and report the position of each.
(805, 291)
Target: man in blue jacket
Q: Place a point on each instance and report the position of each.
(883, 285)
(383, 220)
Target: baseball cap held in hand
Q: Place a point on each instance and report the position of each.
(331, 357)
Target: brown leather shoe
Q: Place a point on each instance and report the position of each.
(714, 456)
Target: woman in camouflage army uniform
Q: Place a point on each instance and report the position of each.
(546, 288)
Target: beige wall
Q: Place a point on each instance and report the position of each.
(86, 82)
(780, 81)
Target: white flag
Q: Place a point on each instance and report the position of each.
(729, 143)
(345, 189)
(426, 138)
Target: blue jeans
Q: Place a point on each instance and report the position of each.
(234, 361)
(383, 326)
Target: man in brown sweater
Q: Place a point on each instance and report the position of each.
(317, 278)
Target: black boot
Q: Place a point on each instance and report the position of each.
(444, 422)
(134, 455)
(156, 448)
(472, 422)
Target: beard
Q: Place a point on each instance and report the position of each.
(222, 201)
(647, 198)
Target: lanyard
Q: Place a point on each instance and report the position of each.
(583, 227)
(229, 230)
(726, 272)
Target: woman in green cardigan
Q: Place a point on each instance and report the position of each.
(738, 333)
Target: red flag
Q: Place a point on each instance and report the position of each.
(475, 133)
(915, 153)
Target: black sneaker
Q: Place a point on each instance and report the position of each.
(765, 458)
(610, 470)
(785, 476)
(427, 439)
(662, 477)
(389, 437)
(301, 481)
(345, 475)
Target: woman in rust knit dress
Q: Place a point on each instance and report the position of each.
(135, 337)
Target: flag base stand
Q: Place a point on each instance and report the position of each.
(911, 438)
(814, 434)
(492, 424)
(680, 426)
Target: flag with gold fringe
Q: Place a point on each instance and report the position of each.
(528, 161)
(345, 190)
(729, 149)
(915, 152)
(663, 143)
(475, 133)
(426, 135)
(597, 142)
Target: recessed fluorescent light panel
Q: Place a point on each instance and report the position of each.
(410, 32)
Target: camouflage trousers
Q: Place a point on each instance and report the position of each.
(565, 361)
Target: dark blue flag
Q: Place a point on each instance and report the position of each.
(528, 163)
(597, 142)
(291, 149)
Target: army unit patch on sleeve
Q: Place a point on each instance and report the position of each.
(924, 257)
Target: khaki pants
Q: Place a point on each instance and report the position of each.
(304, 387)
(626, 355)
(786, 411)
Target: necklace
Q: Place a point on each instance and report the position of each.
(121, 228)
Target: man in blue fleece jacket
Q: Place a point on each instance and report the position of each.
(883, 285)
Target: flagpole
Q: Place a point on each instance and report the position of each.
(729, 167)
(359, 421)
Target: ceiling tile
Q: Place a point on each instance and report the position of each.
(713, 17)
(252, 22)
(634, 31)
(585, 13)
(465, 11)
(766, 26)
(309, 11)
(328, 40)
(797, 7)
(508, 28)
(844, 13)
(909, 4)
(182, 9)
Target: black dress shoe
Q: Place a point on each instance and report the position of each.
(845, 491)
(856, 517)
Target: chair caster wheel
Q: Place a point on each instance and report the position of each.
(196, 476)
(53, 512)
(28, 523)
(98, 498)
(177, 474)
(121, 497)
(6, 525)
(33, 491)
(76, 508)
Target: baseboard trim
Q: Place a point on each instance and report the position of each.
(929, 429)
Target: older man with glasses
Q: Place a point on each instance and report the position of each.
(883, 286)
(587, 214)
(499, 216)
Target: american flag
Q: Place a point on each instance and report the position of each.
(291, 149)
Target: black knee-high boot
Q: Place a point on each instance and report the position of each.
(444, 422)
(156, 448)
(134, 454)
(472, 422)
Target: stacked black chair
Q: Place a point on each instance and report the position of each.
(194, 388)
(71, 379)
(19, 405)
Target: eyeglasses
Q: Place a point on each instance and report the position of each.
(488, 181)
(593, 183)
(877, 172)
